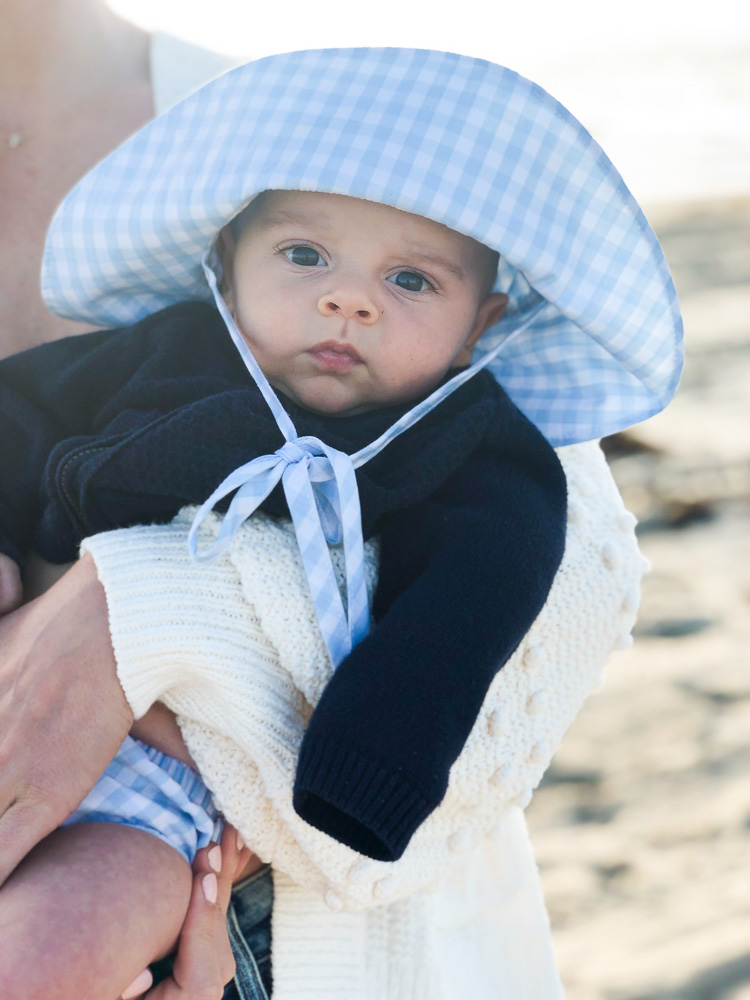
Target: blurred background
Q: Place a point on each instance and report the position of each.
(642, 824)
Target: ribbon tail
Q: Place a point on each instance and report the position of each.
(265, 471)
(350, 517)
(316, 559)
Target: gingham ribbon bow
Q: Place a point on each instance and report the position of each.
(321, 492)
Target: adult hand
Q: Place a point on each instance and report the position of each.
(204, 963)
(63, 714)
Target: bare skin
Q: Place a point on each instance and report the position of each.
(97, 885)
(74, 83)
(204, 960)
(90, 945)
(11, 586)
(57, 678)
(158, 726)
(86, 910)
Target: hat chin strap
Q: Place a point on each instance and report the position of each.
(321, 492)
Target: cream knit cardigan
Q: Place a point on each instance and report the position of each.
(234, 650)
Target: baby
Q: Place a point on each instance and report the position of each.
(353, 310)
(352, 316)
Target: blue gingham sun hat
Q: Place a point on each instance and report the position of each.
(590, 343)
(459, 140)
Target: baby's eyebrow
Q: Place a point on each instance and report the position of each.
(428, 256)
(288, 217)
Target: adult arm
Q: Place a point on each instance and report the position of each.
(187, 633)
(62, 711)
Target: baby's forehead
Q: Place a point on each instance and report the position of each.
(335, 212)
(322, 208)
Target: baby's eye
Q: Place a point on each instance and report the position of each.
(410, 280)
(306, 256)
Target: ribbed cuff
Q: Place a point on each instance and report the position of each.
(357, 800)
(162, 606)
(138, 619)
(320, 952)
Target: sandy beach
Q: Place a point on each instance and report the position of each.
(642, 824)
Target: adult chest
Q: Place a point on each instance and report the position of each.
(49, 159)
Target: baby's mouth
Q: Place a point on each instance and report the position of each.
(332, 355)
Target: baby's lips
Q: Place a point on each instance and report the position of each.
(333, 356)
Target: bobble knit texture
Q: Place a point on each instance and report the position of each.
(242, 669)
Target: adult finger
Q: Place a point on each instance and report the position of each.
(139, 986)
(236, 857)
(204, 963)
(197, 974)
(247, 863)
(224, 861)
(207, 861)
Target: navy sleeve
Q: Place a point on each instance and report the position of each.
(463, 576)
(47, 394)
(86, 390)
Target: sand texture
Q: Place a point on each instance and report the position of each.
(642, 824)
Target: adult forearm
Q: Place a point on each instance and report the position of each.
(62, 711)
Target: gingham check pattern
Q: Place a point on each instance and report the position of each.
(459, 140)
(598, 334)
(151, 791)
(321, 493)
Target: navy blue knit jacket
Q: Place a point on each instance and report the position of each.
(125, 427)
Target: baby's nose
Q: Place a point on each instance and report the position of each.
(351, 304)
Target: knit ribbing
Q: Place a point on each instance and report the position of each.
(244, 719)
(163, 602)
(357, 800)
(483, 933)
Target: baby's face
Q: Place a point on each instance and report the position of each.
(348, 305)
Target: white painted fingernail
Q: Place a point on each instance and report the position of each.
(210, 887)
(240, 843)
(139, 985)
(214, 858)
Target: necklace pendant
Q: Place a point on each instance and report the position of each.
(14, 140)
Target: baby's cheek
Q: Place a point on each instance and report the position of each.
(417, 371)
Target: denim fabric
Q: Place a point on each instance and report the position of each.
(249, 925)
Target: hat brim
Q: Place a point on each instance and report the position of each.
(458, 140)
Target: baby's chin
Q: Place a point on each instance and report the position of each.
(331, 400)
(328, 408)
